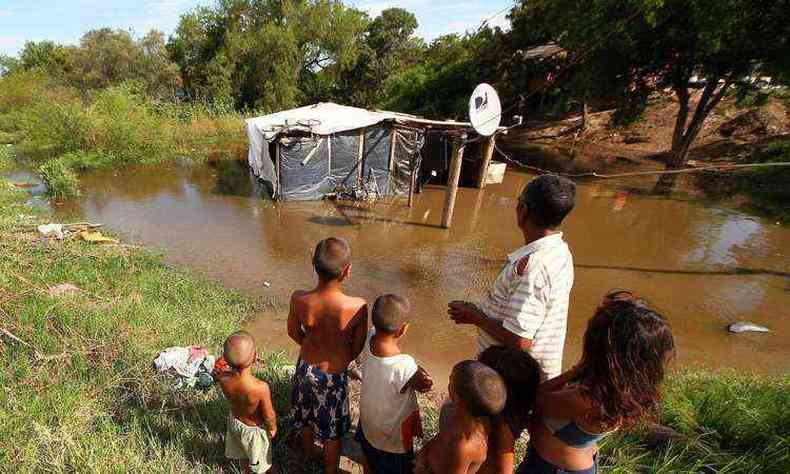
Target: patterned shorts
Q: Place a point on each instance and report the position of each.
(320, 402)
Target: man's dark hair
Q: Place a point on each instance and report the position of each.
(390, 313)
(548, 199)
(480, 387)
(522, 376)
(331, 257)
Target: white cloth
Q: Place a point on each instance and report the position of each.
(534, 305)
(184, 362)
(383, 409)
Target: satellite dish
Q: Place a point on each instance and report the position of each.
(485, 110)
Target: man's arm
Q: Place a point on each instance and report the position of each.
(360, 333)
(463, 312)
(295, 330)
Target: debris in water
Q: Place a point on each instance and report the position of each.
(62, 289)
(745, 326)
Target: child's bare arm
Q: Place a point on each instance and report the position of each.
(295, 330)
(267, 411)
(420, 381)
(360, 333)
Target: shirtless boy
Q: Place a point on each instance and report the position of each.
(331, 329)
(252, 423)
(477, 393)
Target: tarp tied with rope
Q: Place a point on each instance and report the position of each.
(327, 149)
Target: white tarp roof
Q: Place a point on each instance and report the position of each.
(326, 118)
(323, 118)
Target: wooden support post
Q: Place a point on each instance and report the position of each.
(488, 153)
(360, 157)
(412, 183)
(452, 181)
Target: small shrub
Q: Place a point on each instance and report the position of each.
(62, 181)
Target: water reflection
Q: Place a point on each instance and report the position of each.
(702, 265)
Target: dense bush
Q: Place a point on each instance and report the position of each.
(62, 182)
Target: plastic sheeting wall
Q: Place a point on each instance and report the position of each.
(376, 158)
(312, 167)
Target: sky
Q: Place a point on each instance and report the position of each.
(64, 21)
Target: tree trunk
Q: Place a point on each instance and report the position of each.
(585, 111)
(683, 137)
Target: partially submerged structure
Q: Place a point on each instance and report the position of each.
(327, 149)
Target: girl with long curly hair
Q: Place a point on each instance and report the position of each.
(616, 383)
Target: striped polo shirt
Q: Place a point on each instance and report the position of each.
(534, 305)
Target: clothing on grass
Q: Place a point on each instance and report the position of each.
(248, 442)
(191, 366)
(320, 401)
(390, 419)
(534, 304)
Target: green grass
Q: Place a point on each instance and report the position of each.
(82, 396)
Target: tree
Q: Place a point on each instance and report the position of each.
(264, 53)
(388, 48)
(635, 47)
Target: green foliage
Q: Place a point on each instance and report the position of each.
(732, 422)
(258, 54)
(388, 48)
(61, 179)
(104, 58)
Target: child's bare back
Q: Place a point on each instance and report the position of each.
(460, 447)
(252, 423)
(332, 325)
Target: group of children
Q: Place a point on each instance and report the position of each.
(489, 398)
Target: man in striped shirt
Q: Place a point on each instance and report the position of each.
(527, 306)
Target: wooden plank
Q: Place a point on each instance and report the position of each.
(452, 181)
(360, 157)
(278, 191)
(488, 153)
(393, 138)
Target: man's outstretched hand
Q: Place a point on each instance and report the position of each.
(463, 312)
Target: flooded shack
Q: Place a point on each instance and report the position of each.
(328, 150)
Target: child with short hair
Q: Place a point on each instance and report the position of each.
(331, 329)
(522, 376)
(252, 423)
(389, 415)
(477, 393)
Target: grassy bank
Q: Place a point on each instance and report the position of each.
(79, 394)
(68, 132)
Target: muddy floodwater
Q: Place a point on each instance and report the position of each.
(702, 265)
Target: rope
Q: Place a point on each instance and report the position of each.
(593, 174)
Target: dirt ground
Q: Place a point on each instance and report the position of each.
(730, 133)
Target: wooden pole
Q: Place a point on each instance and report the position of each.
(488, 153)
(452, 181)
(411, 187)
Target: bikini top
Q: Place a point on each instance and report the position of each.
(572, 434)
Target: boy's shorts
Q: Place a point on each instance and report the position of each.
(320, 402)
(382, 462)
(250, 443)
